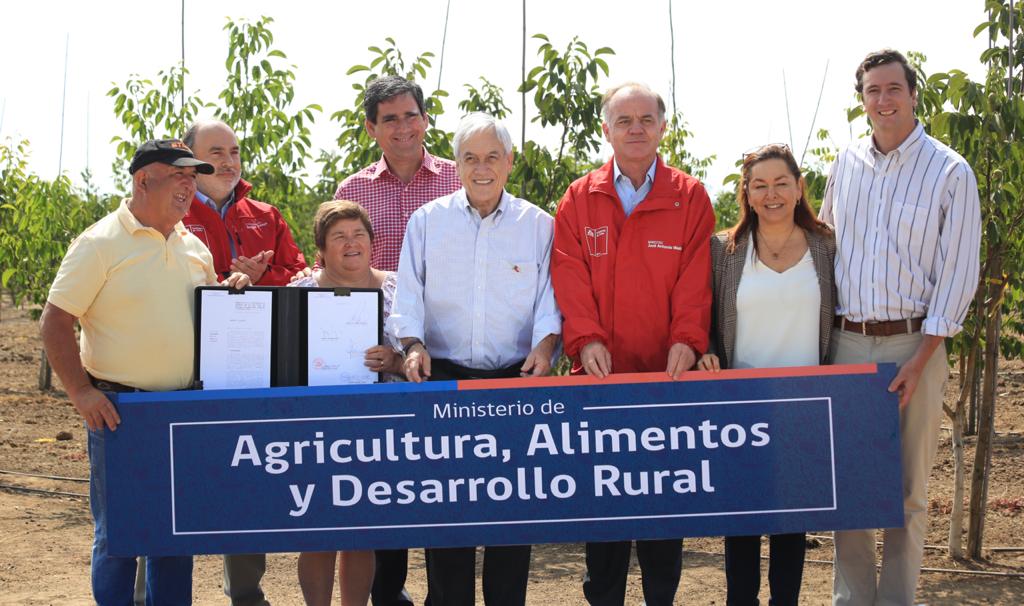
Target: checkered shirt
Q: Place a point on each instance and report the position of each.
(390, 203)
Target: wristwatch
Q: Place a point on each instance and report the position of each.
(406, 349)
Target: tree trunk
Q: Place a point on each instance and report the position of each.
(959, 416)
(45, 372)
(986, 410)
(972, 415)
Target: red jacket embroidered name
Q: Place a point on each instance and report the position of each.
(639, 283)
(254, 227)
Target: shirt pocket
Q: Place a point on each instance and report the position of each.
(516, 281)
(911, 226)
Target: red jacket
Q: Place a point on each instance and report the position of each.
(254, 227)
(637, 284)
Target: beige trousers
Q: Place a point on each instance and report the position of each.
(855, 581)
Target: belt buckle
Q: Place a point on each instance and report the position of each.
(864, 327)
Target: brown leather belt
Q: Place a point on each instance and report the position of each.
(880, 329)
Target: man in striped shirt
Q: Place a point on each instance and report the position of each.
(908, 228)
(405, 178)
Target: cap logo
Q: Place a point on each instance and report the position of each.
(179, 145)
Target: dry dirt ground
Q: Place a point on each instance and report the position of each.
(45, 540)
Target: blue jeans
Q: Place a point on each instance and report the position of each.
(168, 579)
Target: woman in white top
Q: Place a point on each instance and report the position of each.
(774, 307)
(343, 236)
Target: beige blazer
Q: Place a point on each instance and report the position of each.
(727, 268)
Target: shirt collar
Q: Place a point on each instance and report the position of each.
(650, 172)
(208, 201)
(430, 163)
(904, 148)
(127, 219)
(132, 224)
(427, 163)
(499, 212)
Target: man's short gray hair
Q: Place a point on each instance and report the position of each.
(611, 92)
(478, 122)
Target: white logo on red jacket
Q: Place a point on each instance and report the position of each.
(256, 225)
(200, 232)
(597, 240)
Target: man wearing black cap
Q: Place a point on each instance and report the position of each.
(129, 280)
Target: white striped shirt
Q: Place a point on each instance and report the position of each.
(908, 233)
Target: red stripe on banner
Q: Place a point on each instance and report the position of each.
(660, 377)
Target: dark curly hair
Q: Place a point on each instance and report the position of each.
(885, 57)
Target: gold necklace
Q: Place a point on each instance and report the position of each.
(775, 254)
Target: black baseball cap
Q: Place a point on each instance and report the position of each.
(167, 151)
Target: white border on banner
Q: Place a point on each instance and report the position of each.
(832, 462)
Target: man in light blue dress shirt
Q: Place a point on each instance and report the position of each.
(474, 300)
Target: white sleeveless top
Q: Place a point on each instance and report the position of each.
(777, 315)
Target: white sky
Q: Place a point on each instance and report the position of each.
(730, 58)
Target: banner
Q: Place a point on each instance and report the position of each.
(519, 461)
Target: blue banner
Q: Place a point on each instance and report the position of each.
(523, 461)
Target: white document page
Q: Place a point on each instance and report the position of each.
(341, 329)
(234, 339)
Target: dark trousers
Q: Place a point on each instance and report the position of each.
(451, 572)
(388, 589)
(661, 564)
(451, 575)
(785, 569)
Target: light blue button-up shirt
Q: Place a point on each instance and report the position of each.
(630, 196)
(476, 290)
(223, 210)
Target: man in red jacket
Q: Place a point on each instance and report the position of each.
(247, 236)
(243, 234)
(631, 268)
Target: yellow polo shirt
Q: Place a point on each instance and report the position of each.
(132, 291)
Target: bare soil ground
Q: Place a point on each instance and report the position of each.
(45, 540)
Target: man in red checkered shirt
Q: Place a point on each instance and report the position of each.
(406, 177)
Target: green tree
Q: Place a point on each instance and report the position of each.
(256, 102)
(815, 171)
(986, 127)
(274, 138)
(566, 96)
(673, 148)
(489, 98)
(38, 220)
(148, 111)
(727, 209)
